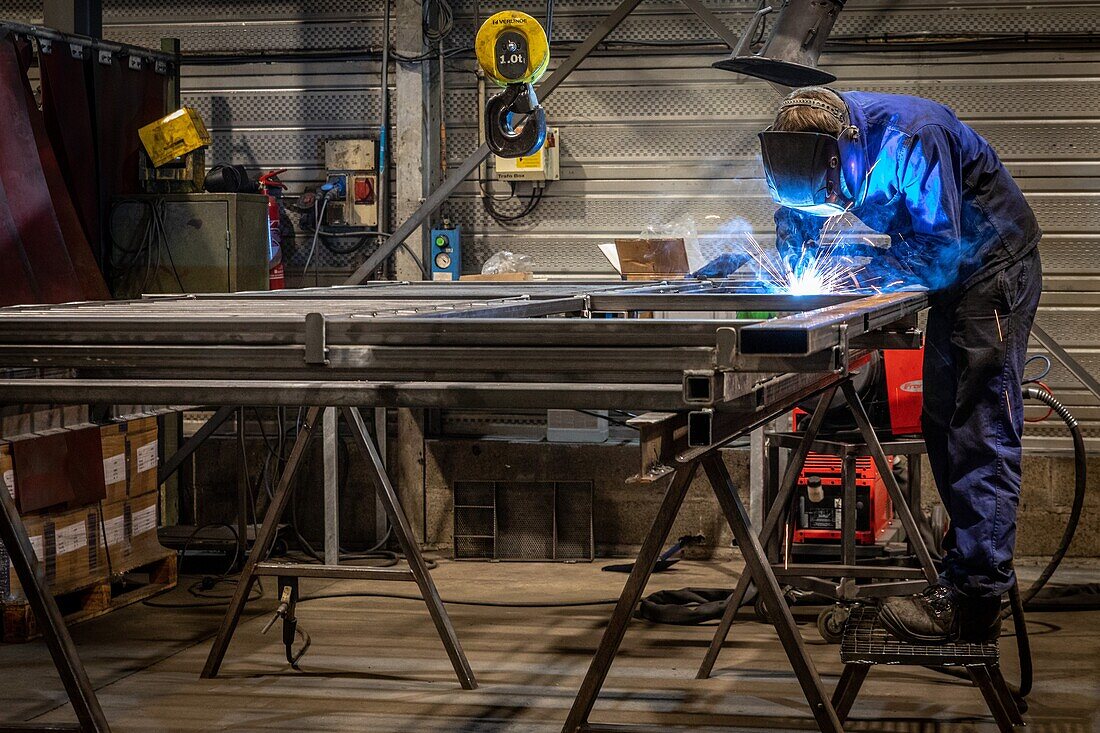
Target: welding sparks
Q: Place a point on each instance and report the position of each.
(816, 271)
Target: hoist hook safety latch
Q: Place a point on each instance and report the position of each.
(515, 122)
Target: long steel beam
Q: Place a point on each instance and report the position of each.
(498, 395)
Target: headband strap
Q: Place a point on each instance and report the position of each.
(840, 114)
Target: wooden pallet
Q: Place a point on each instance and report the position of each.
(102, 597)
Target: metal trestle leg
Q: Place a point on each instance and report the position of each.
(417, 571)
(757, 567)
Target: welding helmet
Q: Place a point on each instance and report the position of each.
(815, 172)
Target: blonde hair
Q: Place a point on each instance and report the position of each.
(800, 118)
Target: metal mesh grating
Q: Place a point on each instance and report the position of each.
(473, 548)
(523, 520)
(475, 493)
(866, 642)
(574, 520)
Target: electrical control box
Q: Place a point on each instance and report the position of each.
(352, 168)
(446, 256)
(542, 165)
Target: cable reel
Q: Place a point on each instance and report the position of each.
(514, 52)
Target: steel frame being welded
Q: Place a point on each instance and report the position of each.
(517, 345)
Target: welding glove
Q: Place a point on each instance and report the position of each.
(723, 265)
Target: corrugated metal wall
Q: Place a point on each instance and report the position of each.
(648, 139)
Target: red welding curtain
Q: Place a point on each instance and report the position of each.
(128, 99)
(61, 166)
(88, 274)
(27, 200)
(67, 113)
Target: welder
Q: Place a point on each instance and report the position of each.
(959, 226)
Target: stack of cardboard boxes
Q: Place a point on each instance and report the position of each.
(88, 498)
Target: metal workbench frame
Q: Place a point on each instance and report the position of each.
(516, 345)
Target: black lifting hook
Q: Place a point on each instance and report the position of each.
(505, 138)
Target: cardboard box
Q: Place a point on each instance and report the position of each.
(7, 470)
(131, 530)
(652, 259)
(68, 545)
(144, 456)
(57, 470)
(116, 462)
(40, 463)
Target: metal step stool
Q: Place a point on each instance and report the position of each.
(866, 643)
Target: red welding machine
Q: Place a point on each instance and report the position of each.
(818, 502)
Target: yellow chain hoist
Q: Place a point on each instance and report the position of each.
(514, 52)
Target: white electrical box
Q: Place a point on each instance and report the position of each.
(350, 155)
(351, 166)
(542, 165)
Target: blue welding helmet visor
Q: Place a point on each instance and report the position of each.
(803, 170)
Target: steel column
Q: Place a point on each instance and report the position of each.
(331, 477)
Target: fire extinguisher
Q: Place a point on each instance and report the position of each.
(274, 188)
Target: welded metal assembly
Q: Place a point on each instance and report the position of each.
(440, 345)
(703, 382)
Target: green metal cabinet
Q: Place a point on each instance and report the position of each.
(218, 243)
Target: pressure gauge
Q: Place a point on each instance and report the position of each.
(442, 260)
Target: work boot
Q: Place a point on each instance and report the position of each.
(931, 617)
(941, 615)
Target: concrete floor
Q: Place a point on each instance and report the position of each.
(375, 665)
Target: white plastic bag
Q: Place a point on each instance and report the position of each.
(505, 261)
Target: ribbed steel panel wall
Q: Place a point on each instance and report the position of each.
(652, 138)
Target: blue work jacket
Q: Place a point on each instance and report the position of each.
(953, 212)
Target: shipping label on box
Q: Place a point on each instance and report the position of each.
(145, 520)
(67, 546)
(71, 537)
(131, 529)
(10, 589)
(144, 456)
(115, 530)
(147, 458)
(114, 469)
(7, 471)
(116, 475)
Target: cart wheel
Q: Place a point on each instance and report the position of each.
(830, 623)
(760, 610)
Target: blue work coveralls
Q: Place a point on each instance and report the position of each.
(960, 226)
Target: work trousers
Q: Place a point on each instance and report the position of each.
(975, 349)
